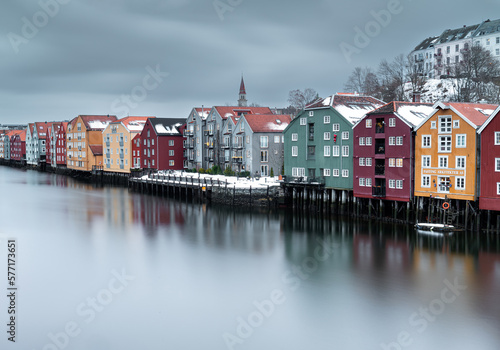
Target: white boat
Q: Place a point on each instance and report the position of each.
(426, 228)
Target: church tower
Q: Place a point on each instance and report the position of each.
(242, 102)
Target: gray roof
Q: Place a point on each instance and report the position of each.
(456, 34)
(429, 42)
(488, 27)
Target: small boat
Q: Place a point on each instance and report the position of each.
(427, 228)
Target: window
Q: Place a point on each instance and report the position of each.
(311, 131)
(170, 142)
(326, 120)
(361, 141)
(426, 161)
(361, 161)
(345, 172)
(392, 183)
(399, 162)
(368, 141)
(426, 141)
(368, 161)
(326, 151)
(336, 172)
(170, 163)
(497, 137)
(311, 113)
(443, 161)
(295, 136)
(345, 135)
(326, 172)
(298, 172)
(368, 182)
(433, 124)
(276, 139)
(460, 162)
(392, 141)
(392, 162)
(399, 140)
(368, 123)
(444, 143)
(457, 47)
(345, 151)
(303, 121)
(399, 184)
(497, 164)
(336, 127)
(311, 152)
(295, 151)
(445, 124)
(264, 156)
(361, 181)
(392, 122)
(460, 183)
(461, 140)
(426, 181)
(456, 124)
(335, 151)
(263, 142)
(326, 136)
(171, 153)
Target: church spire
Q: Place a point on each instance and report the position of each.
(242, 102)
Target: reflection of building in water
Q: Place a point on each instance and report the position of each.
(152, 211)
(118, 206)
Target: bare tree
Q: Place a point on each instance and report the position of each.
(392, 76)
(299, 99)
(416, 74)
(474, 75)
(363, 81)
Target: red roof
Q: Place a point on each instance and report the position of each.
(235, 111)
(97, 118)
(96, 149)
(268, 122)
(135, 124)
(476, 113)
(21, 133)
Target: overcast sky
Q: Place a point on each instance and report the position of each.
(61, 58)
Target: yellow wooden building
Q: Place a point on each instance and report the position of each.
(84, 141)
(117, 143)
(446, 163)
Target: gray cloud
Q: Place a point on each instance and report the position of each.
(92, 52)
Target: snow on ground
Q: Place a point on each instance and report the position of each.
(232, 181)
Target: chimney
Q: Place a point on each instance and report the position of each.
(416, 97)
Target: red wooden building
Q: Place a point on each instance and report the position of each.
(61, 145)
(489, 177)
(18, 146)
(384, 149)
(162, 144)
(136, 152)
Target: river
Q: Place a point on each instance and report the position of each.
(104, 268)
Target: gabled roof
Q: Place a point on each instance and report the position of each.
(96, 122)
(412, 113)
(475, 114)
(133, 124)
(202, 112)
(96, 149)
(268, 122)
(242, 87)
(488, 27)
(167, 126)
(41, 128)
(235, 111)
(426, 43)
(21, 134)
(456, 34)
(352, 107)
(490, 118)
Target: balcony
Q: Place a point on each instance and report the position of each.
(121, 143)
(224, 146)
(379, 170)
(121, 155)
(380, 146)
(188, 133)
(191, 145)
(238, 160)
(380, 126)
(238, 146)
(378, 191)
(107, 143)
(108, 155)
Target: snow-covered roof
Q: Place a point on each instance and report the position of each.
(268, 122)
(167, 126)
(167, 129)
(414, 113)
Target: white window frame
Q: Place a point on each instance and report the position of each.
(426, 181)
(392, 122)
(392, 140)
(368, 123)
(336, 127)
(399, 184)
(458, 160)
(433, 124)
(426, 138)
(392, 162)
(426, 161)
(326, 151)
(295, 151)
(399, 162)
(457, 180)
(456, 124)
(399, 140)
(345, 151)
(303, 121)
(368, 162)
(361, 141)
(361, 161)
(345, 172)
(448, 143)
(295, 136)
(457, 137)
(392, 183)
(335, 172)
(326, 119)
(445, 124)
(368, 141)
(311, 113)
(362, 181)
(368, 182)
(443, 162)
(345, 135)
(497, 138)
(326, 136)
(497, 164)
(335, 151)
(326, 172)
(498, 188)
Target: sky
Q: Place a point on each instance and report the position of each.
(62, 58)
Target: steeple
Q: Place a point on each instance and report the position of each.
(242, 102)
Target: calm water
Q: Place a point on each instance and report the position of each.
(108, 269)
